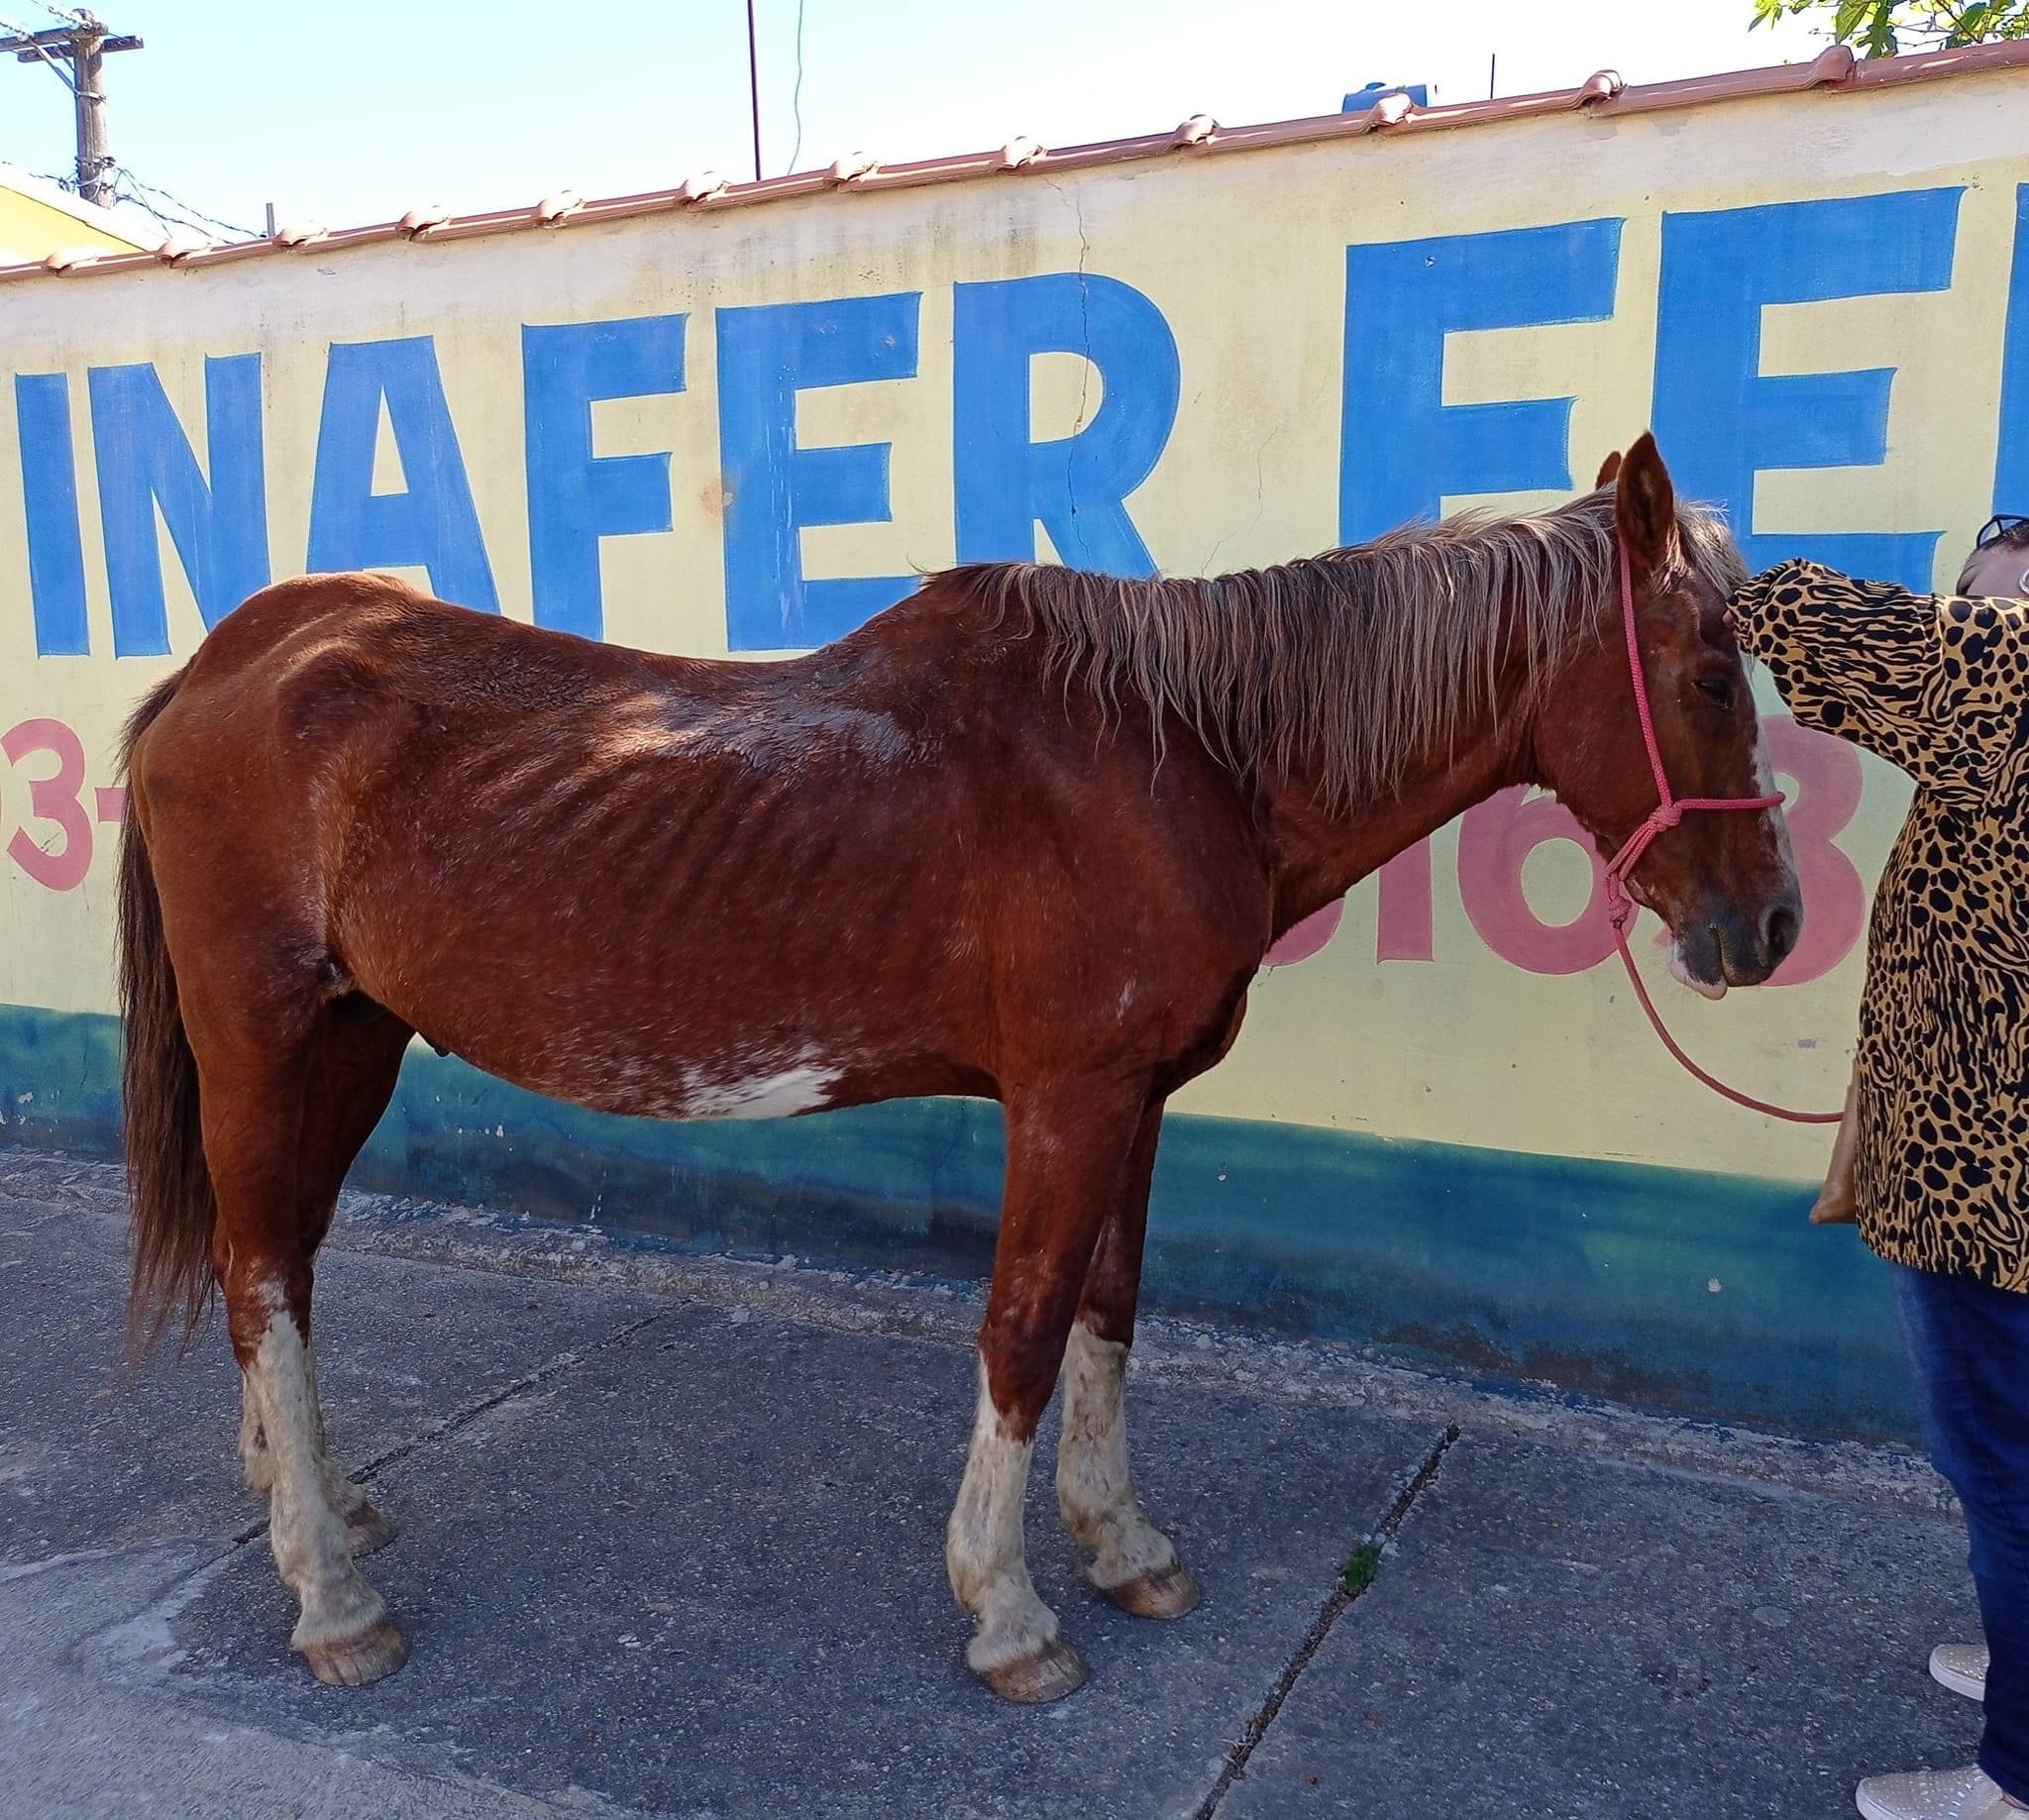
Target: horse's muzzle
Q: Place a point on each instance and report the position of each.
(1735, 945)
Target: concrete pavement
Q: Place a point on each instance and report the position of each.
(671, 1543)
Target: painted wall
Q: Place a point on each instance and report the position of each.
(744, 431)
(38, 219)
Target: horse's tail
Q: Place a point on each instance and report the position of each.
(175, 1210)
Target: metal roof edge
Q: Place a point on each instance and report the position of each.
(1603, 93)
(117, 223)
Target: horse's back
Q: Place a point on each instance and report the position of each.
(318, 655)
(334, 677)
(338, 638)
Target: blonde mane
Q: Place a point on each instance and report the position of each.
(1367, 656)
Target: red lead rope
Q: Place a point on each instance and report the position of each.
(1668, 812)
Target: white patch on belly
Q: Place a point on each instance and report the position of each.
(777, 1095)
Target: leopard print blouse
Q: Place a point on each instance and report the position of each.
(1940, 687)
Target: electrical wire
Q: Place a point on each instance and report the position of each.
(124, 185)
(131, 189)
(56, 64)
(796, 95)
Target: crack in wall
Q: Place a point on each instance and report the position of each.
(1260, 500)
(1077, 207)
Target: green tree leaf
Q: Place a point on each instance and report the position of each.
(1884, 28)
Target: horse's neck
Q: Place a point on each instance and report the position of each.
(1321, 852)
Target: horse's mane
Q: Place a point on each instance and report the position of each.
(1366, 655)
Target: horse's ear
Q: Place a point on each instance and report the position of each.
(1608, 468)
(1645, 509)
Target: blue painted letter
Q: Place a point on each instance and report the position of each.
(1402, 449)
(1076, 486)
(576, 498)
(2011, 466)
(766, 356)
(1720, 420)
(433, 523)
(144, 460)
(49, 489)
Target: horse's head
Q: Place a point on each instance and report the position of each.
(1723, 881)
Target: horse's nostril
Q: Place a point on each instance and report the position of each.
(1780, 930)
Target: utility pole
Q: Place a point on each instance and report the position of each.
(754, 86)
(82, 44)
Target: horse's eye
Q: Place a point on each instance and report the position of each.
(1718, 687)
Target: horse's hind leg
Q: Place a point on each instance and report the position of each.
(1067, 1144)
(255, 1459)
(366, 1528)
(1132, 1562)
(255, 1079)
(354, 1065)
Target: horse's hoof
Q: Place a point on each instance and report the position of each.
(1050, 1673)
(360, 1661)
(367, 1530)
(1168, 1593)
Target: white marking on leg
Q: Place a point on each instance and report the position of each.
(305, 1531)
(1094, 1484)
(253, 1460)
(983, 1546)
(348, 1499)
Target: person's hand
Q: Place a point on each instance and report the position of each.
(1833, 1204)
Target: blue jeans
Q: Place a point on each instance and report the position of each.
(1968, 1345)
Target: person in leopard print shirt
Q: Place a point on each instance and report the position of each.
(1932, 1158)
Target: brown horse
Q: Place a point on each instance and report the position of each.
(1027, 834)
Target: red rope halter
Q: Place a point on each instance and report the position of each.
(1669, 809)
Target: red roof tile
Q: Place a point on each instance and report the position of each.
(1834, 70)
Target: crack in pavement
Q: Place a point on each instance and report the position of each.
(1342, 1599)
(146, 1632)
(468, 1412)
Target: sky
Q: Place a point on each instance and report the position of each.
(355, 112)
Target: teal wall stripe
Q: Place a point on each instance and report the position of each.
(1705, 1294)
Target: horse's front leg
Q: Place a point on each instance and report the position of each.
(1067, 1146)
(1132, 1562)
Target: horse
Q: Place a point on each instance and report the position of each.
(1027, 834)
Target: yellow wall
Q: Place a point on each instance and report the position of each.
(32, 228)
(1245, 259)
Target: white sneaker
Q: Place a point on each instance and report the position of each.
(1933, 1794)
(1961, 1666)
